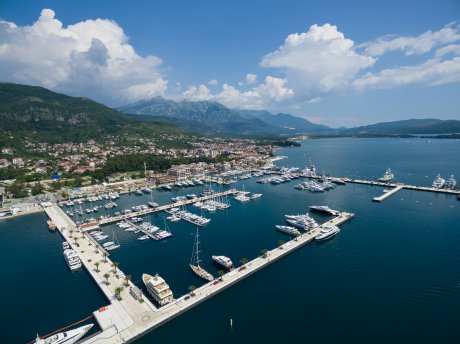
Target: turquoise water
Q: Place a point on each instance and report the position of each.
(391, 275)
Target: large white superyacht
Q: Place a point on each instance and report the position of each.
(158, 288)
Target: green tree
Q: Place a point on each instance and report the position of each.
(127, 279)
(221, 274)
(17, 189)
(96, 264)
(244, 261)
(263, 253)
(107, 276)
(118, 291)
(281, 243)
(191, 289)
(115, 266)
(37, 189)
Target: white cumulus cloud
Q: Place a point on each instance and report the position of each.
(251, 78)
(413, 45)
(271, 92)
(319, 60)
(92, 57)
(213, 82)
(433, 72)
(200, 92)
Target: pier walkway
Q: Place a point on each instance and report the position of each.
(403, 186)
(125, 319)
(165, 207)
(387, 194)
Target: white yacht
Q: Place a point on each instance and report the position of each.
(288, 230)
(223, 261)
(255, 195)
(327, 232)
(72, 259)
(68, 337)
(324, 209)
(242, 198)
(387, 177)
(439, 182)
(152, 204)
(451, 183)
(158, 288)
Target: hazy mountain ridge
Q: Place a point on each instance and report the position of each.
(214, 118)
(286, 121)
(410, 126)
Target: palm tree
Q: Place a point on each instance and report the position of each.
(115, 266)
(106, 276)
(127, 279)
(118, 291)
(281, 243)
(263, 253)
(97, 266)
(191, 289)
(244, 261)
(221, 274)
(105, 256)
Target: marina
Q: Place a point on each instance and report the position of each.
(167, 207)
(351, 196)
(124, 312)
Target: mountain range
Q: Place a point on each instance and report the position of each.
(409, 126)
(212, 118)
(36, 112)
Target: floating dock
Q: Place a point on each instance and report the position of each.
(387, 194)
(125, 319)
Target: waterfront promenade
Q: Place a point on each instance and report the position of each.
(126, 319)
(19, 210)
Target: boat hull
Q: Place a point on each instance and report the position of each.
(200, 272)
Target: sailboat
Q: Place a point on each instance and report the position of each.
(195, 261)
(151, 203)
(115, 244)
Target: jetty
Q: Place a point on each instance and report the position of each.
(396, 187)
(126, 319)
(166, 207)
(387, 194)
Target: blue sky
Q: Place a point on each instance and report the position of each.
(333, 62)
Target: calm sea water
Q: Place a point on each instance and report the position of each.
(391, 275)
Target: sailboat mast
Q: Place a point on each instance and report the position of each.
(192, 258)
(197, 250)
